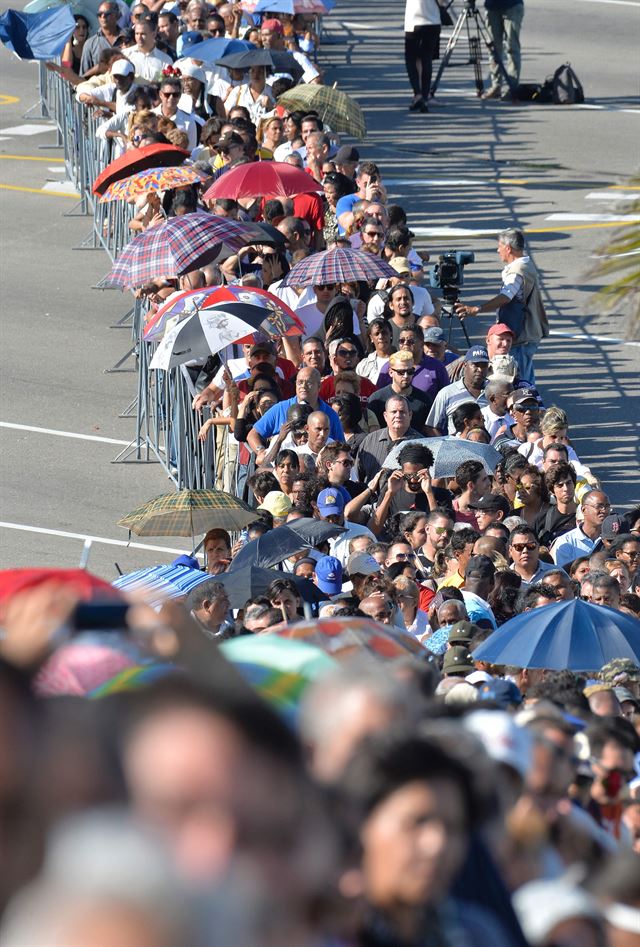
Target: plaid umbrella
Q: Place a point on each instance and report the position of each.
(335, 108)
(275, 178)
(338, 265)
(177, 246)
(155, 179)
(239, 301)
(161, 582)
(448, 454)
(343, 637)
(187, 513)
(279, 670)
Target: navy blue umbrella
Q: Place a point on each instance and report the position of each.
(570, 635)
(278, 544)
(252, 581)
(37, 35)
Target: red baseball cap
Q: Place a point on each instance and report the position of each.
(273, 25)
(499, 329)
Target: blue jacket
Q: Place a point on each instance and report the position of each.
(270, 423)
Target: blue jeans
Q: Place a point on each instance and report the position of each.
(523, 357)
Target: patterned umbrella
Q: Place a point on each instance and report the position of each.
(137, 159)
(342, 638)
(448, 454)
(277, 318)
(279, 670)
(187, 513)
(161, 582)
(86, 662)
(177, 246)
(274, 178)
(335, 108)
(155, 179)
(132, 679)
(338, 265)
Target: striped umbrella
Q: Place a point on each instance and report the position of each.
(178, 246)
(336, 108)
(154, 179)
(161, 582)
(342, 638)
(132, 679)
(338, 265)
(279, 670)
(187, 513)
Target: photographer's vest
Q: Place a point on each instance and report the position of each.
(532, 324)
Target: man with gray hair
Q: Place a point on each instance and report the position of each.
(518, 304)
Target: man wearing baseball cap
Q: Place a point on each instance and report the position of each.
(435, 343)
(491, 508)
(499, 339)
(328, 573)
(346, 160)
(469, 388)
(524, 406)
(330, 505)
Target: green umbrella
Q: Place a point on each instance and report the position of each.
(336, 108)
(188, 513)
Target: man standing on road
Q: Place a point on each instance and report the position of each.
(519, 303)
(504, 19)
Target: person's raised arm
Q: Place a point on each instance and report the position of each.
(353, 507)
(394, 484)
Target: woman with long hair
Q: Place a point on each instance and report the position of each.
(72, 52)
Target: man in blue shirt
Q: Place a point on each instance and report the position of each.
(307, 392)
(504, 19)
(368, 182)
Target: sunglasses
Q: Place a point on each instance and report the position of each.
(403, 371)
(108, 12)
(345, 463)
(408, 341)
(522, 409)
(346, 353)
(440, 530)
(372, 233)
(411, 478)
(325, 286)
(171, 95)
(520, 547)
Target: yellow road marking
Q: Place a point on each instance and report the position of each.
(30, 158)
(512, 181)
(8, 99)
(610, 223)
(622, 187)
(37, 190)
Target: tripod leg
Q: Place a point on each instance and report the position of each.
(446, 56)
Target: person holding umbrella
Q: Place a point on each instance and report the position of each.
(254, 95)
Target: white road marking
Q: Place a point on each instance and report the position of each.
(57, 170)
(455, 232)
(618, 3)
(435, 182)
(62, 187)
(28, 129)
(595, 218)
(611, 196)
(613, 256)
(47, 430)
(605, 108)
(585, 337)
(94, 539)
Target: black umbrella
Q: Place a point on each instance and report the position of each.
(246, 59)
(252, 581)
(278, 544)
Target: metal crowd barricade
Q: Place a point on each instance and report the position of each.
(166, 424)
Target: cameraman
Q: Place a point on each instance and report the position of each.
(519, 303)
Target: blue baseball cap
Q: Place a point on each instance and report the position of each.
(330, 502)
(501, 692)
(184, 560)
(329, 575)
(477, 354)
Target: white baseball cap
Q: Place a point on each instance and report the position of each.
(502, 738)
(122, 67)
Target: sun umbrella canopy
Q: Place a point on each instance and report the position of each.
(284, 541)
(271, 178)
(82, 583)
(277, 319)
(37, 35)
(153, 179)
(251, 581)
(132, 679)
(287, 6)
(138, 159)
(336, 108)
(574, 636)
(338, 265)
(448, 454)
(188, 513)
(176, 247)
(343, 638)
(161, 582)
(79, 666)
(209, 50)
(245, 59)
(279, 670)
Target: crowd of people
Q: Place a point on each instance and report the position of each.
(418, 795)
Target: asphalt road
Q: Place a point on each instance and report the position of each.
(472, 166)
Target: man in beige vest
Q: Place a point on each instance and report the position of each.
(518, 304)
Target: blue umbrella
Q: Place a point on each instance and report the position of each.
(37, 35)
(274, 6)
(211, 49)
(571, 635)
(162, 582)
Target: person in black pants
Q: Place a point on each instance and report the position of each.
(421, 40)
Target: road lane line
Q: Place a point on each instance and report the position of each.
(585, 337)
(595, 218)
(30, 158)
(608, 196)
(28, 130)
(22, 527)
(47, 430)
(38, 190)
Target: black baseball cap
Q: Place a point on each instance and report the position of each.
(491, 504)
(480, 566)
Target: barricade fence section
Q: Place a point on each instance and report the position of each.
(167, 425)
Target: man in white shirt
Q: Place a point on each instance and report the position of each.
(170, 92)
(582, 540)
(113, 95)
(145, 55)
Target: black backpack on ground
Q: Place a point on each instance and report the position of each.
(562, 88)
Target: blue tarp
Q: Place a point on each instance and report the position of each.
(37, 35)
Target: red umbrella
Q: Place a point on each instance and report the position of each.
(272, 178)
(83, 583)
(138, 159)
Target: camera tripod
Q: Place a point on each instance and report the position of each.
(477, 31)
(451, 297)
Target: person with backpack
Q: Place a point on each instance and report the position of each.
(518, 304)
(504, 19)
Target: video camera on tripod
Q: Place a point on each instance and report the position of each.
(447, 275)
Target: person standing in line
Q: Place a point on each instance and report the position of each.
(421, 39)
